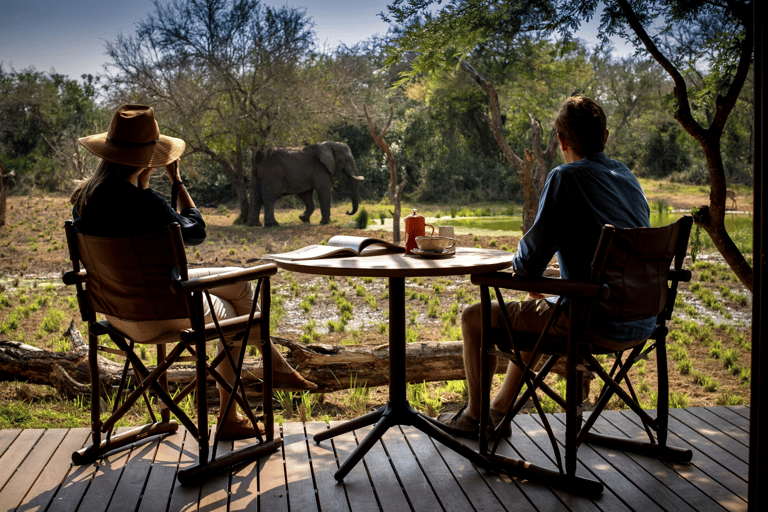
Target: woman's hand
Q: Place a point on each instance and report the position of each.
(173, 171)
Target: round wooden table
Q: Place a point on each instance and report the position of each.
(396, 268)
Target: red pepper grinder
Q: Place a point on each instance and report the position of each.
(415, 225)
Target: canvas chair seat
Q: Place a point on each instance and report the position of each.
(145, 277)
(635, 274)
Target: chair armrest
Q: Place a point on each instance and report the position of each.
(213, 281)
(72, 277)
(565, 287)
(679, 275)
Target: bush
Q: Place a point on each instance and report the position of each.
(361, 221)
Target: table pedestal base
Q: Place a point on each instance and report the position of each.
(390, 415)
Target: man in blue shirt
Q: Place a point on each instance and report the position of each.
(578, 199)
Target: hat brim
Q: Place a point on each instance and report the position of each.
(162, 152)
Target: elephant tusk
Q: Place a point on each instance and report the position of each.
(358, 178)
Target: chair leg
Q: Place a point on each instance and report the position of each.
(662, 403)
(658, 449)
(99, 447)
(165, 412)
(209, 466)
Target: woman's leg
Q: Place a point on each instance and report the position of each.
(239, 300)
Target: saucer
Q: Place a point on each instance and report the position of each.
(432, 254)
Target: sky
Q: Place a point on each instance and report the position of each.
(69, 37)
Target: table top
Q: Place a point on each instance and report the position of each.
(468, 260)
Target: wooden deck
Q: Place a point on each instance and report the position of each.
(406, 471)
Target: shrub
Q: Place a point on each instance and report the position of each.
(361, 220)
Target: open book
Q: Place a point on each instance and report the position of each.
(338, 246)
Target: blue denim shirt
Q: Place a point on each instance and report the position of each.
(577, 201)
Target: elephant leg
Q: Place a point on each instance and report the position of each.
(256, 204)
(269, 212)
(325, 205)
(309, 205)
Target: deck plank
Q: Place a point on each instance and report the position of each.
(703, 472)
(162, 474)
(185, 497)
(16, 453)
(7, 437)
(721, 425)
(406, 470)
(635, 472)
(330, 494)
(659, 473)
(598, 465)
(31, 467)
(301, 486)
(129, 489)
(528, 448)
(273, 492)
(732, 446)
(417, 487)
(436, 471)
(56, 469)
(731, 416)
(214, 491)
(244, 487)
(361, 495)
(385, 482)
(99, 494)
(486, 490)
(711, 457)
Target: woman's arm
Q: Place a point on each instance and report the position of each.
(183, 198)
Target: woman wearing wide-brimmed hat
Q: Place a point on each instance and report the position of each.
(117, 201)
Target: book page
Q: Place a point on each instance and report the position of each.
(358, 243)
(311, 252)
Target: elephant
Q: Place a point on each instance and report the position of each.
(278, 172)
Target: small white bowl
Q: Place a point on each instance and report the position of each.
(435, 243)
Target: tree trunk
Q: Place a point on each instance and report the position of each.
(234, 174)
(395, 190)
(524, 167)
(332, 368)
(711, 217)
(545, 158)
(6, 180)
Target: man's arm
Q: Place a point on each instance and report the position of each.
(540, 243)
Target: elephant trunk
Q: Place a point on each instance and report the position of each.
(354, 189)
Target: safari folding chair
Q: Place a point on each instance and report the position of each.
(631, 280)
(145, 277)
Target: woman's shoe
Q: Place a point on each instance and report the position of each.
(240, 428)
(292, 381)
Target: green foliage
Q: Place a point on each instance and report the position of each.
(361, 220)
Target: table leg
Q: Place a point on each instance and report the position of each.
(397, 411)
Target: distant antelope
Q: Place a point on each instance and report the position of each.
(731, 195)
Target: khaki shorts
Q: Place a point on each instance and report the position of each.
(532, 316)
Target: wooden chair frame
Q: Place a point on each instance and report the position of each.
(584, 302)
(178, 297)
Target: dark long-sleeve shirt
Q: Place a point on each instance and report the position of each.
(117, 208)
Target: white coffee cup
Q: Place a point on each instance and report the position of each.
(446, 231)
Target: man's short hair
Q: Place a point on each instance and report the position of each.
(581, 123)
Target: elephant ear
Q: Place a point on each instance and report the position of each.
(327, 156)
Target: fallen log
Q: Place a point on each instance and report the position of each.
(333, 368)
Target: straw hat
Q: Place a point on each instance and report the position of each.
(134, 138)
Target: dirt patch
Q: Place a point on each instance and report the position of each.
(33, 256)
